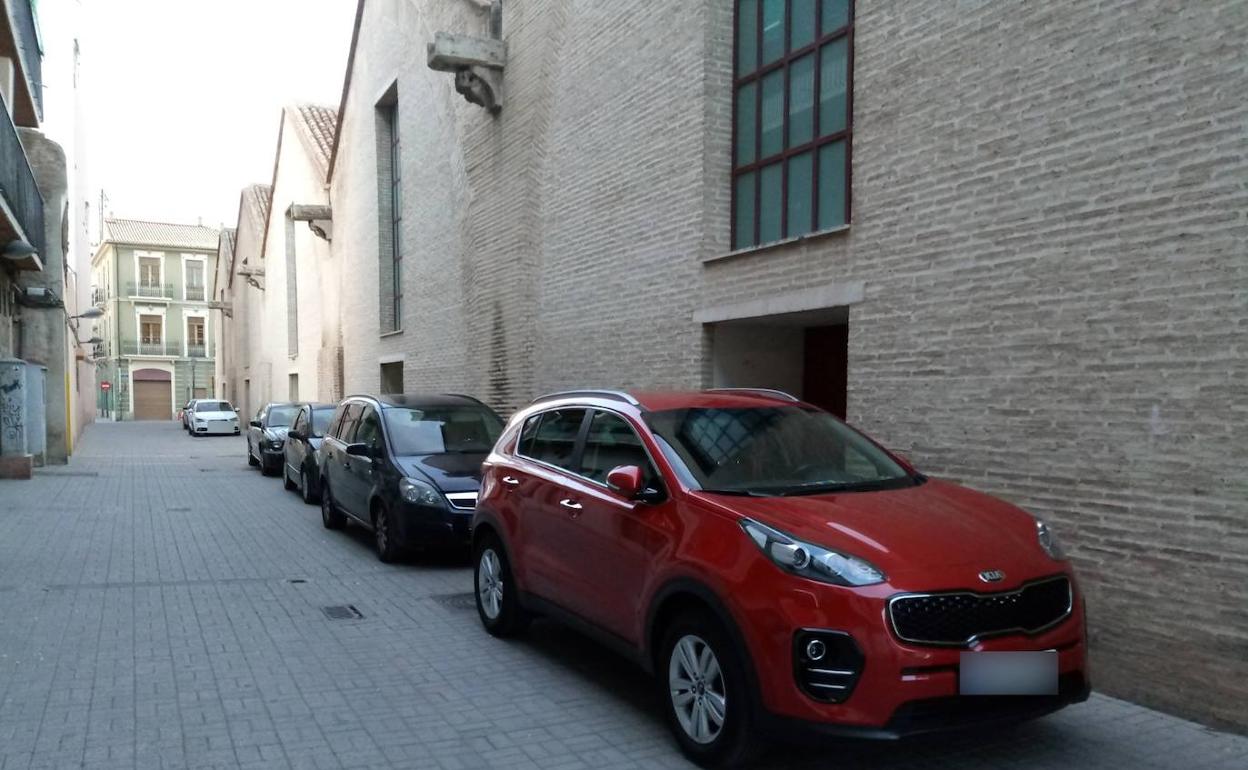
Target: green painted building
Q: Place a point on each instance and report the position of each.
(152, 279)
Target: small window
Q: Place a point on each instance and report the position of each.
(292, 386)
(369, 432)
(301, 422)
(336, 420)
(555, 439)
(610, 443)
(392, 378)
(527, 434)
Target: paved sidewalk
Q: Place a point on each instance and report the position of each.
(161, 606)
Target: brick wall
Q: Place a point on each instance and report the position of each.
(1049, 228)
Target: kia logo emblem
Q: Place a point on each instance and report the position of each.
(992, 576)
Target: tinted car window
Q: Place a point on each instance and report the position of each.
(527, 434)
(555, 439)
(442, 430)
(346, 429)
(301, 422)
(213, 406)
(282, 416)
(369, 432)
(610, 443)
(336, 421)
(320, 420)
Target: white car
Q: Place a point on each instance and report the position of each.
(213, 418)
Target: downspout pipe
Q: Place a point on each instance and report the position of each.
(496, 19)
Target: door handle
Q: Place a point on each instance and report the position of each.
(570, 504)
(511, 481)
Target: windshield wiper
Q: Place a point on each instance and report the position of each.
(818, 487)
(737, 492)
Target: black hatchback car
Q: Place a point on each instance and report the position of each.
(406, 467)
(301, 469)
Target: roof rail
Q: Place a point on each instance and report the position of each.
(617, 395)
(465, 395)
(768, 392)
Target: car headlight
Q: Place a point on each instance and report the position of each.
(811, 561)
(275, 444)
(1048, 541)
(417, 491)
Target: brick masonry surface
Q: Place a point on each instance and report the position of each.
(148, 619)
(1049, 231)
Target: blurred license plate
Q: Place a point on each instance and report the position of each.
(1008, 673)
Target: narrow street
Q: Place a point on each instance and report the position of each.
(164, 605)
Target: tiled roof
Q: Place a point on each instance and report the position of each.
(255, 207)
(163, 234)
(225, 247)
(316, 126)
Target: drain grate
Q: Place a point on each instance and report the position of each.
(69, 474)
(342, 612)
(297, 581)
(179, 510)
(456, 601)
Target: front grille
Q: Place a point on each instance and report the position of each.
(466, 501)
(957, 618)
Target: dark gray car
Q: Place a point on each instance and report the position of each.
(266, 436)
(301, 470)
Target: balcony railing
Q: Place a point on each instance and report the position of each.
(150, 290)
(17, 184)
(197, 351)
(133, 348)
(195, 293)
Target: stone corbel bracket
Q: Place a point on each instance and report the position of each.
(477, 63)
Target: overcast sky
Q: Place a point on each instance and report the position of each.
(184, 97)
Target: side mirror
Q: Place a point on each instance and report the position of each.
(625, 481)
(295, 434)
(359, 450)
(255, 424)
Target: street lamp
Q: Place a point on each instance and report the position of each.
(18, 249)
(91, 312)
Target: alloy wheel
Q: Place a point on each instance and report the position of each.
(490, 583)
(696, 685)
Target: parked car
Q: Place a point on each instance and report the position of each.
(778, 570)
(184, 414)
(209, 417)
(301, 469)
(407, 467)
(266, 436)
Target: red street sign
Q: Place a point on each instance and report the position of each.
(105, 385)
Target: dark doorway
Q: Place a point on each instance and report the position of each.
(825, 353)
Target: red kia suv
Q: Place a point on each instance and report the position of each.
(777, 570)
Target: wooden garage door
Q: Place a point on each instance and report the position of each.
(151, 400)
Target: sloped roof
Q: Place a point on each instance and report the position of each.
(163, 234)
(257, 199)
(225, 247)
(315, 125)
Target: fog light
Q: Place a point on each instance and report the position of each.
(816, 649)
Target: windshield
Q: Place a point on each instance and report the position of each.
(213, 406)
(282, 416)
(785, 450)
(442, 430)
(321, 419)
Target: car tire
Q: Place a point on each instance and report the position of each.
(305, 488)
(331, 517)
(498, 605)
(287, 484)
(384, 541)
(251, 460)
(695, 688)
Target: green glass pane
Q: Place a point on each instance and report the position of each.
(803, 24)
(769, 200)
(747, 36)
(747, 115)
(833, 84)
(773, 114)
(773, 30)
(835, 15)
(801, 193)
(744, 234)
(802, 100)
(832, 185)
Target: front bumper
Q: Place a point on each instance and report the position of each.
(902, 688)
(273, 458)
(428, 526)
(222, 428)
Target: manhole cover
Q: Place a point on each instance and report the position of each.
(457, 601)
(342, 612)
